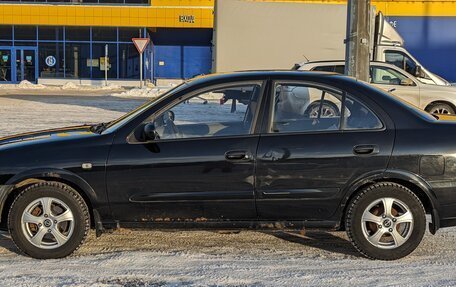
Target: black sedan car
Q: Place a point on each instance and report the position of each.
(262, 150)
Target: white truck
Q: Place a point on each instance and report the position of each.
(275, 35)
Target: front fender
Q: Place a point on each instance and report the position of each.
(31, 176)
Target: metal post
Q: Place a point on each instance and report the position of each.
(357, 53)
(106, 65)
(141, 70)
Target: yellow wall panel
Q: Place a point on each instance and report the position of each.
(134, 16)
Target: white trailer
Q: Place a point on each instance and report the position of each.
(275, 35)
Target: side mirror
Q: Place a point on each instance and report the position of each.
(419, 73)
(150, 133)
(407, 82)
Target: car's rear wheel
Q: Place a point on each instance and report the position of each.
(48, 220)
(441, 108)
(386, 221)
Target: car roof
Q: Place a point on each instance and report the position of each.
(261, 74)
(342, 62)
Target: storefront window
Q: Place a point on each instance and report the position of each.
(50, 33)
(128, 61)
(51, 60)
(77, 60)
(126, 34)
(104, 34)
(98, 54)
(25, 32)
(6, 32)
(77, 33)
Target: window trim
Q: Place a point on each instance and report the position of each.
(268, 131)
(262, 83)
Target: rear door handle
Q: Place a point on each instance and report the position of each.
(238, 155)
(365, 149)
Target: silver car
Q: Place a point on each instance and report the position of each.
(432, 98)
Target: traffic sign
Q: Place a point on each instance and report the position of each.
(141, 43)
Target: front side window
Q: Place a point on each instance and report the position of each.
(386, 76)
(223, 111)
(304, 108)
(401, 61)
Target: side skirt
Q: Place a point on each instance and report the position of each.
(224, 225)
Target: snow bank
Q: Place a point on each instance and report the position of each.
(144, 92)
(73, 86)
(27, 85)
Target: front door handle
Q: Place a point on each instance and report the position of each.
(365, 149)
(238, 155)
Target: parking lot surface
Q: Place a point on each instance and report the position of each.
(202, 258)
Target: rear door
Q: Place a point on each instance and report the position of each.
(397, 83)
(316, 142)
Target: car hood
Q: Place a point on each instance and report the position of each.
(48, 135)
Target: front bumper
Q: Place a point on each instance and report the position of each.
(5, 190)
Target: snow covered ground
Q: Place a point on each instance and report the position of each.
(202, 258)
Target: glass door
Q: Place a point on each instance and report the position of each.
(29, 65)
(5, 65)
(26, 66)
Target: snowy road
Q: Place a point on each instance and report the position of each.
(201, 258)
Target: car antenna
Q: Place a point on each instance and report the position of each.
(307, 59)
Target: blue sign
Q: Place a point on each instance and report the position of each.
(50, 61)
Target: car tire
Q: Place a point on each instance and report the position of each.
(48, 220)
(328, 110)
(385, 233)
(441, 108)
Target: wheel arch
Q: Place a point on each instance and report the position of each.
(412, 181)
(429, 105)
(19, 182)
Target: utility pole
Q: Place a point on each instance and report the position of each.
(357, 50)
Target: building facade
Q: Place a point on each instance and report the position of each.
(66, 39)
(59, 39)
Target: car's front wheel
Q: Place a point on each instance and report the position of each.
(48, 220)
(386, 221)
(441, 109)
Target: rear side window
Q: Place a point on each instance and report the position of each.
(358, 117)
(324, 69)
(304, 108)
(339, 69)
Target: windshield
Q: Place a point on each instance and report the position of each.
(114, 125)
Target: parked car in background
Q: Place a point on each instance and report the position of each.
(431, 98)
(262, 157)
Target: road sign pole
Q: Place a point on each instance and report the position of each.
(106, 65)
(141, 44)
(141, 70)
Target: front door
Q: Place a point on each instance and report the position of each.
(26, 65)
(397, 83)
(5, 65)
(317, 142)
(200, 166)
